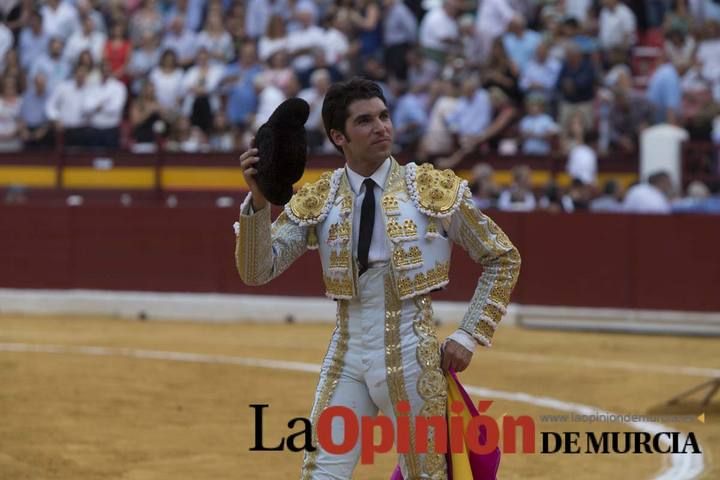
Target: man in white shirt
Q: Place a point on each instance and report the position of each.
(617, 25)
(105, 105)
(302, 42)
(90, 38)
(651, 197)
(66, 108)
(181, 41)
(59, 18)
(439, 32)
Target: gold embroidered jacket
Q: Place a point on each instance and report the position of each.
(423, 210)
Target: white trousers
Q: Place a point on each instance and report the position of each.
(383, 351)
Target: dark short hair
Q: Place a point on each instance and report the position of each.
(340, 96)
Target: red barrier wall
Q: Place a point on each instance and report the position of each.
(650, 262)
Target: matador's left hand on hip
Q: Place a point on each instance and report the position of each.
(455, 356)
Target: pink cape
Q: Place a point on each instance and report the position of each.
(467, 465)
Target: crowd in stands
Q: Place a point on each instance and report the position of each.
(578, 78)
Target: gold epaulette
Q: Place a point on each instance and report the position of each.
(311, 204)
(437, 193)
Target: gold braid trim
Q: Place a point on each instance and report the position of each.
(327, 385)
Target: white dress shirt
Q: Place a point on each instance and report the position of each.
(379, 250)
(111, 96)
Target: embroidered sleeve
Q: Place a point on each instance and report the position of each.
(263, 251)
(488, 245)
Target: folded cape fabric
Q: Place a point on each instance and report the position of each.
(467, 465)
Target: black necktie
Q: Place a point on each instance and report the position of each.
(367, 221)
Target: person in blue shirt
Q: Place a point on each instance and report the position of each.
(665, 93)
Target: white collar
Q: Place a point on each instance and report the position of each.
(379, 176)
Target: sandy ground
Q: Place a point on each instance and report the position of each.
(79, 416)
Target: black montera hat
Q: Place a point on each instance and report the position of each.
(282, 148)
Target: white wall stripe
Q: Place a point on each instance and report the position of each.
(681, 466)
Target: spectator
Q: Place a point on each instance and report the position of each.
(365, 18)
(13, 68)
(582, 164)
(258, 15)
(86, 38)
(146, 21)
(439, 34)
(14, 14)
(279, 72)
(216, 40)
(493, 17)
(55, 68)
(200, 90)
(576, 85)
(579, 196)
(222, 136)
(182, 41)
(142, 61)
(274, 39)
(65, 108)
(190, 10)
(168, 81)
(85, 9)
(303, 41)
(409, 116)
(60, 19)
(320, 82)
(187, 138)
(554, 201)
(337, 43)
(11, 124)
(630, 113)
(420, 74)
(105, 106)
(708, 52)
(400, 30)
(520, 43)
(652, 196)
(118, 52)
(239, 79)
(269, 98)
(37, 132)
(484, 190)
(617, 27)
(146, 119)
(611, 199)
(94, 75)
(501, 72)
(578, 9)
(541, 73)
(537, 128)
(33, 41)
(679, 48)
(519, 196)
(664, 92)
(438, 138)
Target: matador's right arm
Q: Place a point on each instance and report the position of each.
(263, 251)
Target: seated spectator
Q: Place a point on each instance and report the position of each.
(65, 108)
(438, 138)
(13, 68)
(146, 21)
(554, 201)
(541, 73)
(503, 113)
(519, 196)
(33, 41)
(582, 164)
(537, 128)
(269, 98)
(439, 33)
(85, 8)
(168, 81)
(239, 83)
(695, 195)
(611, 199)
(60, 19)
(679, 47)
(11, 125)
(94, 74)
(200, 87)
(409, 117)
(652, 196)
(216, 40)
(279, 72)
(88, 37)
(664, 92)
(630, 114)
(319, 85)
(708, 52)
(182, 41)
(258, 13)
(617, 27)
(484, 190)
(190, 10)
(118, 52)
(142, 60)
(576, 86)
(492, 19)
(520, 43)
(146, 120)
(187, 138)
(105, 105)
(37, 133)
(337, 44)
(52, 65)
(222, 136)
